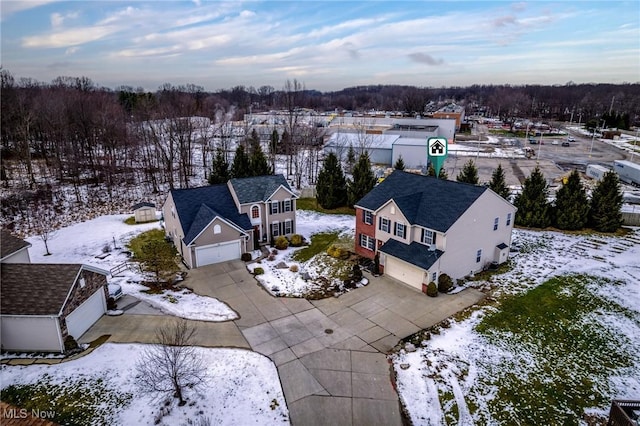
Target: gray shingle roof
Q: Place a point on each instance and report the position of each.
(258, 188)
(36, 288)
(425, 201)
(10, 244)
(415, 253)
(142, 204)
(196, 207)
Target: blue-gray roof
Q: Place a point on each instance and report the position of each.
(415, 253)
(142, 204)
(197, 207)
(258, 188)
(425, 201)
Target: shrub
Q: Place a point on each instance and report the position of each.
(246, 257)
(432, 289)
(445, 283)
(293, 268)
(271, 257)
(70, 343)
(111, 304)
(282, 243)
(274, 252)
(258, 271)
(337, 252)
(296, 240)
(356, 273)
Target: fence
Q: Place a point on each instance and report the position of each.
(620, 413)
(631, 218)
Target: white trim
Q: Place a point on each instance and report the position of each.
(209, 224)
(278, 189)
(16, 252)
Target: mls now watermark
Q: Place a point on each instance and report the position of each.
(23, 413)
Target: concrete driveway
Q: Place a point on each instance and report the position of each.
(330, 353)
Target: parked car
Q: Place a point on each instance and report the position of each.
(554, 142)
(115, 291)
(571, 139)
(565, 143)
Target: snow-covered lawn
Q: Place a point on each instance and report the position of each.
(482, 371)
(82, 242)
(242, 388)
(321, 269)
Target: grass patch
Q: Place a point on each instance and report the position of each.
(319, 243)
(312, 204)
(563, 356)
(131, 220)
(137, 243)
(75, 402)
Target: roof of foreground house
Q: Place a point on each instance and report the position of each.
(258, 188)
(10, 244)
(424, 200)
(415, 253)
(197, 207)
(38, 288)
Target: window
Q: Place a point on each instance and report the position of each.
(367, 217)
(255, 212)
(508, 219)
(288, 227)
(217, 229)
(400, 230)
(173, 212)
(428, 237)
(478, 256)
(287, 205)
(385, 224)
(495, 223)
(275, 207)
(275, 229)
(82, 282)
(367, 242)
(434, 276)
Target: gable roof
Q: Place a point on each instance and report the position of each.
(424, 200)
(415, 253)
(142, 204)
(37, 288)
(10, 244)
(258, 188)
(197, 207)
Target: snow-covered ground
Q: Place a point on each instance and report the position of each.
(242, 388)
(82, 242)
(455, 376)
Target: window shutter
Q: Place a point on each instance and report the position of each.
(422, 236)
(433, 238)
(281, 206)
(380, 224)
(281, 227)
(404, 232)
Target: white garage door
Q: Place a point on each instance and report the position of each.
(404, 272)
(85, 315)
(216, 253)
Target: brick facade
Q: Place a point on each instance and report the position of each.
(93, 281)
(367, 229)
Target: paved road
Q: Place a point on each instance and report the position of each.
(330, 353)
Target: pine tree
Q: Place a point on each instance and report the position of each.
(399, 164)
(432, 172)
(363, 179)
(606, 202)
(273, 148)
(351, 158)
(219, 169)
(469, 173)
(572, 206)
(331, 185)
(258, 162)
(241, 163)
(498, 183)
(533, 208)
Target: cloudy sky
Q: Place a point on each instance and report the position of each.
(327, 45)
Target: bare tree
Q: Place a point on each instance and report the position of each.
(173, 365)
(43, 223)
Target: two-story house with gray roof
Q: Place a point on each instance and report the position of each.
(423, 227)
(218, 223)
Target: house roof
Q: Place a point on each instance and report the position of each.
(415, 253)
(143, 204)
(258, 188)
(10, 244)
(36, 288)
(197, 207)
(425, 201)
(372, 141)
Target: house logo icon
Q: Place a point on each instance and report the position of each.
(437, 147)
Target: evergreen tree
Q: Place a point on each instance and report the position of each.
(533, 208)
(258, 162)
(606, 202)
(219, 169)
(331, 185)
(399, 164)
(273, 148)
(572, 206)
(498, 183)
(241, 163)
(431, 171)
(363, 179)
(351, 158)
(469, 173)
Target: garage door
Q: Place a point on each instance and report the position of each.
(216, 253)
(85, 315)
(404, 272)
